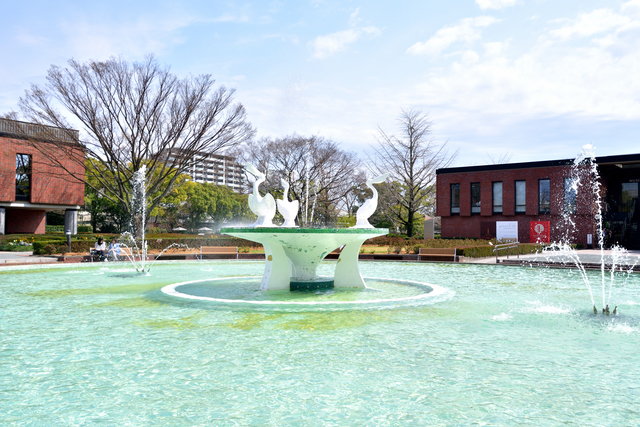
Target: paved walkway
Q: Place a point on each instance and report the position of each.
(587, 256)
(24, 258)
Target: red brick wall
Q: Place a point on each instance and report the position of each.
(467, 225)
(24, 221)
(50, 184)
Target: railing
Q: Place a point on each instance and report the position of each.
(506, 246)
(32, 130)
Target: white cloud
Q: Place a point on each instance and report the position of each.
(354, 18)
(325, 46)
(467, 31)
(557, 76)
(89, 40)
(588, 24)
(495, 4)
(228, 17)
(631, 8)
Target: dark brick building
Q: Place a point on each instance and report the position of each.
(31, 180)
(471, 200)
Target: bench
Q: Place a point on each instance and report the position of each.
(218, 250)
(125, 253)
(449, 254)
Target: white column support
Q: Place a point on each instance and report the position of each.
(3, 221)
(347, 273)
(277, 272)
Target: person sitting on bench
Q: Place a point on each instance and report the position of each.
(100, 248)
(114, 249)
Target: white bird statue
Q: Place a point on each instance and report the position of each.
(264, 207)
(288, 209)
(370, 205)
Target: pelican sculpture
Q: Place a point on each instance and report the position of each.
(264, 207)
(288, 209)
(370, 205)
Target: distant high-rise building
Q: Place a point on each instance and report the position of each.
(215, 169)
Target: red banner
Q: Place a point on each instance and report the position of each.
(540, 232)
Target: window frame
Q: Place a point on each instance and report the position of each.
(567, 206)
(22, 191)
(542, 211)
(476, 210)
(493, 198)
(523, 207)
(451, 205)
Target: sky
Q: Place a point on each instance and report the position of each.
(525, 80)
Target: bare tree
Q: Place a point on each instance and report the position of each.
(502, 158)
(411, 159)
(318, 172)
(134, 114)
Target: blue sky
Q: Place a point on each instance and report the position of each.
(535, 78)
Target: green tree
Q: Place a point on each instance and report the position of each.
(214, 203)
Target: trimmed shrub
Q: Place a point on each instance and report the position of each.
(487, 250)
(39, 246)
(85, 229)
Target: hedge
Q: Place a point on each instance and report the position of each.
(487, 250)
(81, 245)
(60, 229)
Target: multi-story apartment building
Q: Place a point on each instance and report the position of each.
(216, 169)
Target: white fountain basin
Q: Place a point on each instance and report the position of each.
(292, 255)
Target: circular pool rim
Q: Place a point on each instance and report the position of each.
(436, 290)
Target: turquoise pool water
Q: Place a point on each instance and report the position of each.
(503, 346)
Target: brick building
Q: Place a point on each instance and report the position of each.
(473, 201)
(31, 180)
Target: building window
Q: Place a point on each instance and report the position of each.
(569, 200)
(544, 196)
(23, 177)
(521, 197)
(497, 197)
(475, 198)
(455, 199)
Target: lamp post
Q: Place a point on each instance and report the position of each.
(68, 233)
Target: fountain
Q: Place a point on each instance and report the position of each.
(137, 255)
(293, 254)
(585, 176)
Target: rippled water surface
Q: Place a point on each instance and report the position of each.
(503, 346)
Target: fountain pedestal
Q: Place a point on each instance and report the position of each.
(293, 255)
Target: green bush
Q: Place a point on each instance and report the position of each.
(39, 246)
(85, 229)
(49, 249)
(54, 228)
(487, 250)
(16, 248)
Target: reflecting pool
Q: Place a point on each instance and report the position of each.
(494, 345)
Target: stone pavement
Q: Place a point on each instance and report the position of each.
(13, 258)
(586, 256)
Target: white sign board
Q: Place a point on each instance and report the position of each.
(507, 230)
